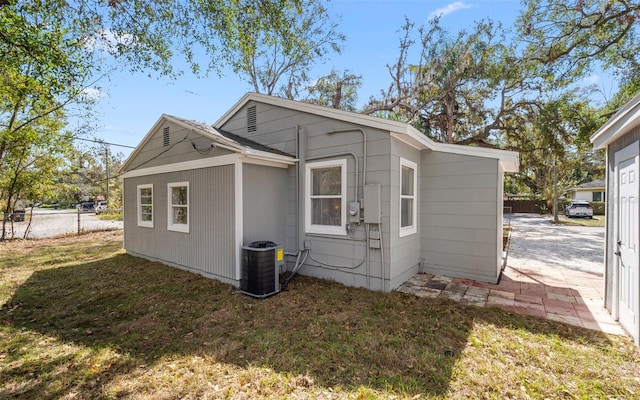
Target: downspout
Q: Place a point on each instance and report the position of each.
(297, 139)
(301, 139)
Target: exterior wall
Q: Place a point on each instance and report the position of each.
(180, 148)
(586, 195)
(459, 218)
(346, 258)
(264, 203)
(609, 260)
(404, 251)
(209, 247)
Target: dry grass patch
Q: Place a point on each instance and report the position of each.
(80, 319)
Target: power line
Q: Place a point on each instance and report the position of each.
(103, 142)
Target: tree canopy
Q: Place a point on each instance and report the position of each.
(53, 54)
(517, 88)
(520, 89)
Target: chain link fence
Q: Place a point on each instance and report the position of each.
(42, 223)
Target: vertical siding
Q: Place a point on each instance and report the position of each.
(265, 203)
(209, 247)
(277, 127)
(458, 197)
(609, 260)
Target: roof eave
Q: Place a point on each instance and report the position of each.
(623, 121)
(218, 140)
(509, 160)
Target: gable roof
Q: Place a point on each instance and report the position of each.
(221, 138)
(402, 131)
(597, 184)
(623, 121)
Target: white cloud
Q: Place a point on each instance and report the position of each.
(448, 9)
(591, 79)
(108, 41)
(92, 94)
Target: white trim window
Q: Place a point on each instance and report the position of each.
(325, 197)
(145, 205)
(408, 203)
(178, 202)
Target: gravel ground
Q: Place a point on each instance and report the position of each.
(50, 223)
(535, 241)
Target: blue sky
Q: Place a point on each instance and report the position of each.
(133, 103)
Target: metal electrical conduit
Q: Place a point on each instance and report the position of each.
(358, 191)
(364, 156)
(345, 153)
(299, 156)
(355, 158)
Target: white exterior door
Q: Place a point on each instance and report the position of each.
(627, 244)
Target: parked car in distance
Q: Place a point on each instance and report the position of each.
(579, 209)
(101, 207)
(16, 216)
(87, 206)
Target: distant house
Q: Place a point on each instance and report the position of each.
(364, 201)
(589, 191)
(620, 136)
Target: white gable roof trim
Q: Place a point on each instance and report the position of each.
(623, 121)
(399, 130)
(213, 134)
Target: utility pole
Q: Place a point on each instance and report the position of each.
(106, 166)
(555, 191)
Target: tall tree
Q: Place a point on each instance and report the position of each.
(335, 91)
(32, 163)
(569, 36)
(42, 70)
(53, 51)
(272, 44)
(465, 89)
(556, 137)
(484, 88)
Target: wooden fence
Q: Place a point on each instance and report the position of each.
(526, 206)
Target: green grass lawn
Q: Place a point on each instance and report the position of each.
(82, 320)
(597, 220)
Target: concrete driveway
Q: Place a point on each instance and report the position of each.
(557, 272)
(552, 271)
(538, 244)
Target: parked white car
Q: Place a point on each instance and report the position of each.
(579, 209)
(101, 207)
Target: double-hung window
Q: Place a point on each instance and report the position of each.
(408, 209)
(325, 194)
(145, 205)
(178, 196)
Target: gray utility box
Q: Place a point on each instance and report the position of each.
(261, 264)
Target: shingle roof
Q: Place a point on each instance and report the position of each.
(598, 183)
(230, 136)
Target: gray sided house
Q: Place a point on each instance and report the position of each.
(589, 191)
(620, 137)
(361, 200)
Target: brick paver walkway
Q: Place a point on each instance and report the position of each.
(552, 272)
